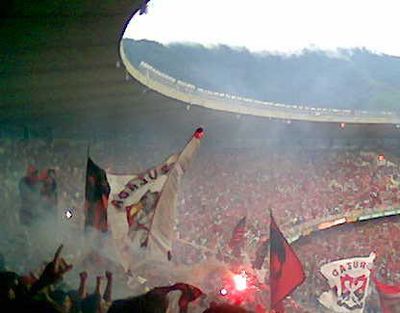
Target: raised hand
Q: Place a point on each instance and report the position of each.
(107, 292)
(83, 276)
(109, 275)
(98, 284)
(53, 272)
(82, 285)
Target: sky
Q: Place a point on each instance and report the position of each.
(281, 26)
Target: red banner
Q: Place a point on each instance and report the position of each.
(389, 296)
(286, 270)
(96, 197)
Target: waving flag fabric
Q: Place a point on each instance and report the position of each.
(389, 296)
(238, 239)
(97, 192)
(348, 280)
(286, 270)
(142, 206)
(261, 254)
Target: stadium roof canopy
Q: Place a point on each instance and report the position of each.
(61, 70)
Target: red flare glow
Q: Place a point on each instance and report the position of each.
(240, 282)
(199, 133)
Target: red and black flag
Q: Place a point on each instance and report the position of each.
(96, 197)
(237, 240)
(261, 254)
(389, 296)
(286, 270)
(189, 293)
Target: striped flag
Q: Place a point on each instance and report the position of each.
(97, 192)
(238, 239)
(261, 254)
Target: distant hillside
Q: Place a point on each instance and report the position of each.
(355, 79)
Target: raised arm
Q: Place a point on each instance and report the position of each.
(108, 291)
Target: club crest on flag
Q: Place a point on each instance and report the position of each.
(139, 215)
(138, 198)
(350, 279)
(353, 291)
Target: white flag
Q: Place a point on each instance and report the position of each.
(349, 281)
(142, 208)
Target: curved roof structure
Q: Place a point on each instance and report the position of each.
(190, 94)
(62, 72)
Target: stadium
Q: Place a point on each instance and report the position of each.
(71, 88)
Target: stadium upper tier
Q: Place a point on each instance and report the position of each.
(192, 95)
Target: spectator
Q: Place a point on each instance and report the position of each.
(29, 195)
(48, 191)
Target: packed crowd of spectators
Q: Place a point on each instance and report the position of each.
(47, 293)
(299, 185)
(347, 241)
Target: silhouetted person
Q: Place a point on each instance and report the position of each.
(108, 291)
(93, 302)
(30, 196)
(2, 263)
(151, 302)
(156, 301)
(48, 192)
(52, 273)
(15, 296)
(82, 286)
(224, 308)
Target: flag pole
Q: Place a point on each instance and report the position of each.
(86, 177)
(88, 150)
(271, 304)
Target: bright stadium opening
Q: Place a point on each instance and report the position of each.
(261, 60)
(274, 26)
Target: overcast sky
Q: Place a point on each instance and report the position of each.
(273, 25)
